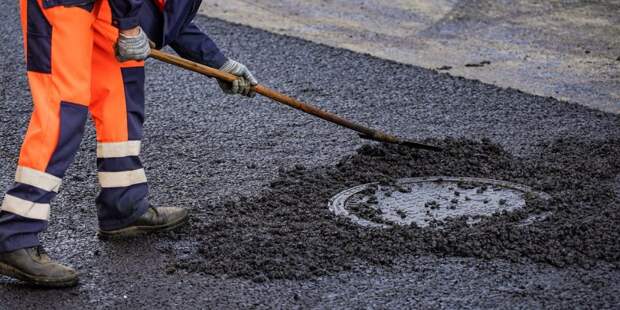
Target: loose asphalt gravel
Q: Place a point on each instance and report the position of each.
(256, 177)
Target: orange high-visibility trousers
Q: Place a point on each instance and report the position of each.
(72, 71)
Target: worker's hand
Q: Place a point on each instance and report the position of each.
(242, 85)
(132, 44)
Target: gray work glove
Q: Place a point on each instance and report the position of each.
(132, 47)
(242, 85)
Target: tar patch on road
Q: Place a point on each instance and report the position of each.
(288, 232)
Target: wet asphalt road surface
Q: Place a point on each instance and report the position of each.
(207, 152)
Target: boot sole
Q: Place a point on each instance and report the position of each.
(140, 230)
(15, 273)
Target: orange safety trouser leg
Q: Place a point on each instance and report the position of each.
(117, 108)
(58, 46)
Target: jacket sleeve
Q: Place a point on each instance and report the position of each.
(125, 13)
(195, 45)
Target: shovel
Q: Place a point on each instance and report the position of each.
(364, 132)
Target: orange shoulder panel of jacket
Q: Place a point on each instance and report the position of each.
(160, 4)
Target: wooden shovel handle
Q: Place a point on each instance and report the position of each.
(365, 132)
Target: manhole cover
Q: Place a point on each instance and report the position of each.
(424, 200)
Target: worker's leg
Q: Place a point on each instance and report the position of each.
(117, 108)
(58, 47)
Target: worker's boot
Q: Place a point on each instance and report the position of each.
(155, 219)
(34, 266)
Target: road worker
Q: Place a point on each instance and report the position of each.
(88, 56)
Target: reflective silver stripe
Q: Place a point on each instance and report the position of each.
(118, 149)
(121, 179)
(25, 208)
(42, 180)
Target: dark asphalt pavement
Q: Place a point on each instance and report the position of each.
(203, 149)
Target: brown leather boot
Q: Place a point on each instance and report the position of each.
(155, 219)
(34, 266)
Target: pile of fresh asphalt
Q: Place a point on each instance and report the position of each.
(288, 231)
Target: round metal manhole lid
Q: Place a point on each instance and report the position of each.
(431, 199)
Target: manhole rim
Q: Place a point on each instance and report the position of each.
(336, 204)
